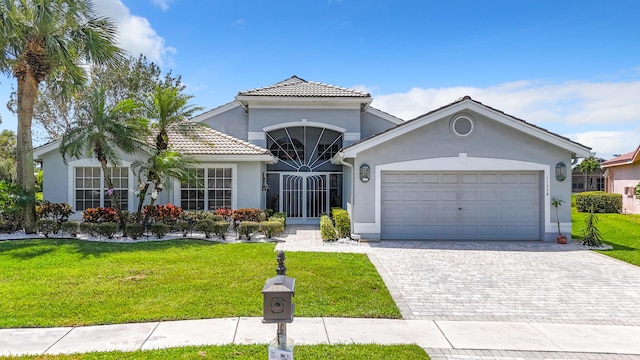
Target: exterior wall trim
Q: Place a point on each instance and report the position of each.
(304, 122)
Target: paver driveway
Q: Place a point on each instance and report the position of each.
(509, 281)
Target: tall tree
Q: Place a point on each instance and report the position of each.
(587, 167)
(40, 38)
(105, 132)
(8, 155)
(167, 109)
(134, 78)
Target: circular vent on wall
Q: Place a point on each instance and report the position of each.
(462, 125)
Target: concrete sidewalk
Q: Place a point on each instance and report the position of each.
(437, 337)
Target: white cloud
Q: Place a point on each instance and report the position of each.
(162, 4)
(136, 35)
(602, 115)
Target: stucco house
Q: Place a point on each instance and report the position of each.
(463, 171)
(622, 175)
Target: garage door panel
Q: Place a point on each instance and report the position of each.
(486, 205)
(449, 196)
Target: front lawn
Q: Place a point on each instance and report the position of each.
(57, 282)
(254, 352)
(618, 230)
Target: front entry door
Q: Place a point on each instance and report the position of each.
(304, 196)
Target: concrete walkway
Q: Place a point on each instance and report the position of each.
(441, 334)
(439, 338)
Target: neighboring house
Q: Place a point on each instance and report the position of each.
(463, 171)
(622, 176)
(581, 182)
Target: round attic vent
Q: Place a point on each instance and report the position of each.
(462, 125)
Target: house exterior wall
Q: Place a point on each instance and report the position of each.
(234, 122)
(371, 125)
(491, 142)
(622, 178)
(345, 120)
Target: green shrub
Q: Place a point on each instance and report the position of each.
(47, 226)
(280, 215)
(207, 227)
(88, 228)
(134, 230)
(220, 229)
(215, 217)
(271, 228)
(159, 229)
(247, 228)
(107, 229)
(599, 202)
(182, 226)
(342, 221)
(69, 227)
(327, 230)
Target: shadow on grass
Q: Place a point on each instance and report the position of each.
(29, 249)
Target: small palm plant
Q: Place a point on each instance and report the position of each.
(592, 235)
(556, 203)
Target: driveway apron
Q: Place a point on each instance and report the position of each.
(508, 281)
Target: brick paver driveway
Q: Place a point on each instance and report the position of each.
(508, 281)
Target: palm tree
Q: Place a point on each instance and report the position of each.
(587, 167)
(159, 169)
(42, 38)
(168, 110)
(103, 134)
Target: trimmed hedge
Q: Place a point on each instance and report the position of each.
(47, 226)
(327, 230)
(70, 227)
(107, 229)
(247, 228)
(134, 230)
(343, 222)
(159, 229)
(272, 228)
(599, 202)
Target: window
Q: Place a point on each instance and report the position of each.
(90, 189)
(326, 152)
(462, 125)
(211, 190)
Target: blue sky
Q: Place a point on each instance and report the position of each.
(572, 67)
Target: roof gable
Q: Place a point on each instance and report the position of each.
(297, 87)
(625, 159)
(466, 103)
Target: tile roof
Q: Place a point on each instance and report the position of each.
(297, 87)
(212, 142)
(466, 98)
(623, 159)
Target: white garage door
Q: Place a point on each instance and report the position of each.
(461, 205)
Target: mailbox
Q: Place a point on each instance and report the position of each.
(278, 300)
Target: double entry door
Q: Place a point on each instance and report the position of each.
(304, 196)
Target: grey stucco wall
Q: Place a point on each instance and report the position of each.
(490, 139)
(371, 125)
(234, 122)
(250, 185)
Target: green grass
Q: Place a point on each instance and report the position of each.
(53, 282)
(618, 230)
(247, 352)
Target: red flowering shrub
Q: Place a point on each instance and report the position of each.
(166, 214)
(248, 214)
(100, 215)
(226, 214)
